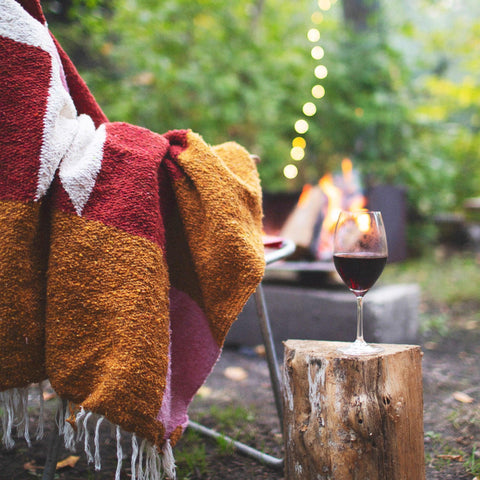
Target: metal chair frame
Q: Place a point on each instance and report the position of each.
(286, 249)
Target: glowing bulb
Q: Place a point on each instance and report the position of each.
(317, 17)
(318, 91)
(324, 4)
(317, 52)
(321, 71)
(309, 109)
(299, 142)
(301, 126)
(297, 153)
(313, 35)
(290, 171)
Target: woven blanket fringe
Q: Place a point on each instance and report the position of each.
(147, 463)
(14, 412)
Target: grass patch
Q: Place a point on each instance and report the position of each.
(191, 456)
(472, 464)
(451, 280)
(448, 285)
(440, 453)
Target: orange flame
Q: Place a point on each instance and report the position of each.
(304, 195)
(343, 194)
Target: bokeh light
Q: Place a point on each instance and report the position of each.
(297, 153)
(309, 109)
(324, 4)
(359, 112)
(299, 142)
(301, 126)
(317, 17)
(313, 35)
(321, 71)
(317, 52)
(290, 171)
(318, 91)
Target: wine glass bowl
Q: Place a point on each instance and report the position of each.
(359, 255)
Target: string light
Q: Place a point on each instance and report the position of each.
(299, 142)
(313, 35)
(318, 91)
(317, 18)
(324, 4)
(317, 52)
(309, 109)
(301, 126)
(290, 171)
(297, 153)
(321, 71)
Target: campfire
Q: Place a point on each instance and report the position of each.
(311, 224)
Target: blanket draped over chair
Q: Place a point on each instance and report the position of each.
(125, 255)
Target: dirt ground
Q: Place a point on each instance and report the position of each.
(451, 421)
(451, 377)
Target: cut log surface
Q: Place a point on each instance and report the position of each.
(358, 418)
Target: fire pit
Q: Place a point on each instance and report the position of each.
(303, 295)
(301, 312)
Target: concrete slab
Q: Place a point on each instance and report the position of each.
(390, 315)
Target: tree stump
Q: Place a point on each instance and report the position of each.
(358, 418)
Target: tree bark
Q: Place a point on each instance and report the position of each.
(352, 418)
(361, 14)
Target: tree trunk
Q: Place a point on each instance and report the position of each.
(353, 418)
(361, 14)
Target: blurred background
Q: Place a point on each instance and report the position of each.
(392, 86)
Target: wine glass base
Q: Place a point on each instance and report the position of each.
(360, 348)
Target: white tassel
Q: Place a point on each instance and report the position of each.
(119, 454)
(25, 417)
(133, 462)
(141, 473)
(168, 461)
(15, 414)
(86, 445)
(7, 419)
(152, 464)
(60, 416)
(68, 432)
(146, 462)
(98, 462)
(78, 422)
(147, 471)
(41, 417)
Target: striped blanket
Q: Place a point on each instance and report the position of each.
(125, 255)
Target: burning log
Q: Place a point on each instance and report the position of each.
(312, 223)
(303, 225)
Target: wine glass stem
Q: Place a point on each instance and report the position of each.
(360, 319)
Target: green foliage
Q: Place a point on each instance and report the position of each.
(227, 71)
(402, 100)
(364, 114)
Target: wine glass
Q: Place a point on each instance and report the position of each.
(360, 254)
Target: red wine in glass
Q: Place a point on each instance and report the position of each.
(359, 271)
(359, 255)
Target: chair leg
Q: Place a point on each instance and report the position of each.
(273, 462)
(52, 456)
(270, 352)
(53, 453)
